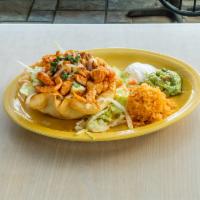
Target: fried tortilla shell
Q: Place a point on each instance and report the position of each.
(69, 107)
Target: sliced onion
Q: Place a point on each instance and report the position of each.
(85, 131)
(94, 117)
(62, 69)
(24, 65)
(129, 120)
(23, 81)
(118, 121)
(80, 125)
(21, 97)
(80, 132)
(58, 46)
(90, 135)
(28, 99)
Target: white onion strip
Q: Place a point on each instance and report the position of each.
(118, 121)
(85, 131)
(28, 99)
(21, 81)
(62, 69)
(94, 117)
(82, 131)
(58, 46)
(24, 65)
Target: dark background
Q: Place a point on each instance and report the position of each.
(82, 11)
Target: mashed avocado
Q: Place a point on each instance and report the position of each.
(168, 81)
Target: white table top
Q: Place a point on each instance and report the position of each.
(164, 165)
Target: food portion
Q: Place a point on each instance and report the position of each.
(147, 104)
(168, 81)
(68, 85)
(76, 85)
(138, 71)
(102, 121)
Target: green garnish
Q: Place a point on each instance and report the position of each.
(54, 67)
(168, 81)
(64, 76)
(72, 59)
(59, 59)
(122, 94)
(54, 64)
(76, 85)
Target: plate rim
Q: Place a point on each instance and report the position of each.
(130, 133)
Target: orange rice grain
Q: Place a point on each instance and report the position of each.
(147, 104)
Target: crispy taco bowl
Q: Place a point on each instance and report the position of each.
(61, 122)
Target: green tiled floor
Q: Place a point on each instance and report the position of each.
(79, 11)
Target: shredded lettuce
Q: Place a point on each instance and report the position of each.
(102, 121)
(123, 75)
(80, 125)
(117, 71)
(33, 74)
(27, 89)
(76, 87)
(122, 94)
(97, 126)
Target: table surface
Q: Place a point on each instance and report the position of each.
(163, 165)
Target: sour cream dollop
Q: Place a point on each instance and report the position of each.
(138, 71)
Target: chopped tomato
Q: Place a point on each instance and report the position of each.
(132, 82)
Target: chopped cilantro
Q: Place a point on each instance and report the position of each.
(54, 67)
(58, 58)
(54, 64)
(72, 59)
(64, 76)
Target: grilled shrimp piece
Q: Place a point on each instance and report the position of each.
(91, 92)
(83, 71)
(99, 87)
(66, 86)
(91, 95)
(45, 78)
(98, 75)
(50, 89)
(105, 85)
(48, 58)
(111, 76)
(79, 98)
(80, 79)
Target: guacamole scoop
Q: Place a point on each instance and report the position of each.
(168, 81)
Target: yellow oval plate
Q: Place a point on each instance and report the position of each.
(119, 57)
